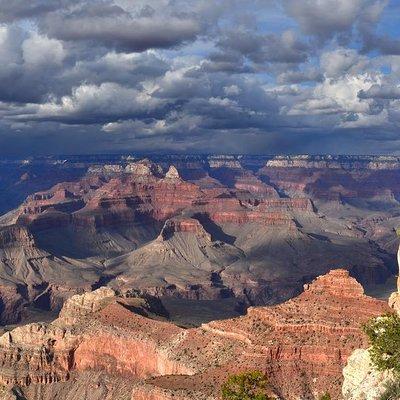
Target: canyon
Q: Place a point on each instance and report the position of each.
(252, 229)
(123, 277)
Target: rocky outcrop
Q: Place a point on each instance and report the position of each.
(394, 300)
(10, 235)
(362, 381)
(304, 337)
(308, 339)
(172, 173)
(36, 354)
(80, 306)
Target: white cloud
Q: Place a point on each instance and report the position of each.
(342, 61)
(40, 50)
(232, 90)
(88, 103)
(335, 96)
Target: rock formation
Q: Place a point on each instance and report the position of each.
(394, 300)
(361, 380)
(301, 345)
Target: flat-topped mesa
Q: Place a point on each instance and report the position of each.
(185, 225)
(58, 198)
(338, 283)
(335, 162)
(299, 204)
(107, 169)
(224, 162)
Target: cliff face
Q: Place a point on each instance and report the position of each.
(336, 179)
(310, 337)
(361, 380)
(307, 339)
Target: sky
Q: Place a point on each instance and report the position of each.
(199, 76)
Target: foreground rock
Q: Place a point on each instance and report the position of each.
(362, 381)
(101, 343)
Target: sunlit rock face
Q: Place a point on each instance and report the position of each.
(361, 380)
(308, 338)
(394, 300)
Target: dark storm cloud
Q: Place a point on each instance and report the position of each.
(125, 69)
(20, 9)
(228, 61)
(384, 44)
(121, 31)
(179, 75)
(91, 104)
(387, 92)
(326, 18)
(284, 48)
(296, 76)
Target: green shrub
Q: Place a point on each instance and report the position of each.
(392, 390)
(250, 385)
(398, 231)
(384, 334)
(325, 396)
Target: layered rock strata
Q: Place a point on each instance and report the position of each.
(301, 345)
(253, 234)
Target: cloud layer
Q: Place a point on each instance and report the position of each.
(260, 76)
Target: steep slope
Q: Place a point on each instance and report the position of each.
(182, 261)
(361, 380)
(29, 274)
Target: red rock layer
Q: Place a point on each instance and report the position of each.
(140, 191)
(302, 345)
(308, 338)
